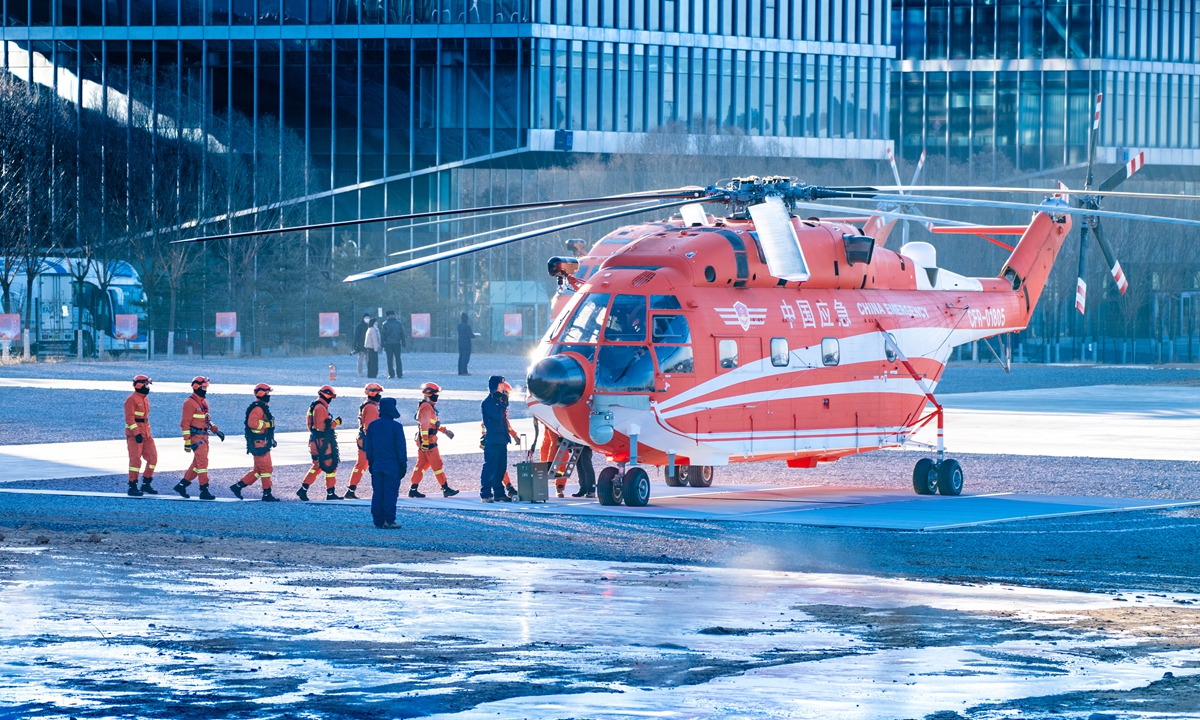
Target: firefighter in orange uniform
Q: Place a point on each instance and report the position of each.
(138, 439)
(368, 412)
(197, 426)
(322, 445)
(260, 438)
(428, 455)
(547, 453)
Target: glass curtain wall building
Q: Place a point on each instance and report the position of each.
(1009, 83)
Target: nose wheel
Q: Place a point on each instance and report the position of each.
(632, 488)
(931, 477)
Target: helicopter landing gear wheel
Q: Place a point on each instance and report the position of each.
(700, 476)
(609, 487)
(949, 477)
(925, 477)
(680, 479)
(635, 486)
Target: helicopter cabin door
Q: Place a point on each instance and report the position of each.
(730, 414)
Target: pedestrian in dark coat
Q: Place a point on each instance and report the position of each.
(360, 336)
(393, 344)
(387, 459)
(465, 336)
(497, 434)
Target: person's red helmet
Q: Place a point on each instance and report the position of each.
(327, 392)
(373, 389)
(199, 381)
(142, 380)
(430, 388)
(261, 389)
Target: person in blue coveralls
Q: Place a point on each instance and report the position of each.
(497, 434)
(387, 459)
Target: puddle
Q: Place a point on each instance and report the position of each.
(475, 637)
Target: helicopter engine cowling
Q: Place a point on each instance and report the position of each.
(557, 381)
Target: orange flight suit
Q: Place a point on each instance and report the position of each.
(324, 453)
(196, 425)
(368, 413)
(428, 455)
(547, 453)
(258, 425)
(137, 423)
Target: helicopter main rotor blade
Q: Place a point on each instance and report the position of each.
(458, 252)
(891, 158)
(691, 194)
(1080, 283)
(1021, 191)
(1003, 205)
(1114, 266)
(1093, 137)
(885, 214)
(1126, 172)
(920, 167)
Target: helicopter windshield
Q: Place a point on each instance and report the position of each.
(589, 318)
(627, 321)
(625, 368)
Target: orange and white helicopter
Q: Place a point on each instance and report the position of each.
(702, 340)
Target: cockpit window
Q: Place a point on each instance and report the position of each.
(625, 368)
(627, 321)
(588, 351)
(589, 318)
(664, 302)
(671, 329)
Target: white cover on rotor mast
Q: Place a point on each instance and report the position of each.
(778, 238)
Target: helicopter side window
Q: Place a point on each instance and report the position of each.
(664, 302)
(624, 368)
(831, 353)
(671, 330)
(589, 318)
(727, 354)
(627, 321)
(780, 357)
(675, 359)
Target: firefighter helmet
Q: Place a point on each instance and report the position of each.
(199, 381)
(142, 380)
(261, 389)
(373, 389)
(327, 392)
(430, 388)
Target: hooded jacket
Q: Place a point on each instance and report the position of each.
(495, 414)
(384, 443)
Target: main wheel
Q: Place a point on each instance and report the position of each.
(609, 487)
(700, 475)
(636, 487)
(949, 477)
(925, 477)
(680, 478)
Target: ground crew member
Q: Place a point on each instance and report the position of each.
(322, 445)
(428, 455)
(547, 453)
(367, 412)
(197, 426)
(388, 461)
(259, 430)
(498, 433)
(138, 439)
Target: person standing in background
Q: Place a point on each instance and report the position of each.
(387, 459)
(497, 434)
(465, 336)
(360, 335)
(373, 343)
(138, 439)
(393, 344)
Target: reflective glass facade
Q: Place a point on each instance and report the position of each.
(1011, 82)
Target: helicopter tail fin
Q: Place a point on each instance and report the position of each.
(1029, 266)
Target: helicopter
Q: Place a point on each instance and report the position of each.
(703, 340)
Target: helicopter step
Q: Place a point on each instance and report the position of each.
(945, 477)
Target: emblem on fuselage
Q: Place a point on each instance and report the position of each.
(743, 316)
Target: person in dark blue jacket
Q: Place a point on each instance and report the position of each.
(387, 459)
(497, 434)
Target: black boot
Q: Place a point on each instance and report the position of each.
(205, 494)
(182, 487)
(350, 494)
(133, 490)
(413, 492)
(581, 493)
(302, 493)
(236, 488)
(448, 491)
(268, 497)
(146, 486)
(512, 491)
(331, 494)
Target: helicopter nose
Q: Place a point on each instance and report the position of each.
(557, 381)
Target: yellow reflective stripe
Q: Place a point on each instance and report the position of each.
(200, 416)
(201, 470)
(135, 412)
(332, 474)
(131, 427)
(149, 467)
(187, 432)
(134, 468)
(438, 472)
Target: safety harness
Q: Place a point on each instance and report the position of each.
(427, 439)
(362, 427)
(323, 439)
(265, 431)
